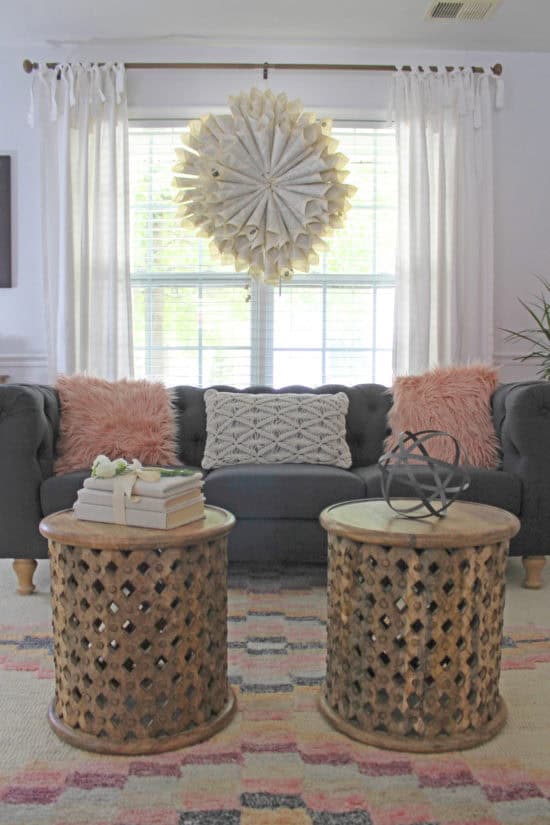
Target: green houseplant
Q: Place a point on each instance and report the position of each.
(539, 334)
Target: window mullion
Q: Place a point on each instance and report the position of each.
(262, 333)
(255, 333)
(149, 331)
(269, 332)
(324, 334)
(374, 256)
(200, 335)
(149, 320)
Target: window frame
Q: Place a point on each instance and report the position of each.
(262, 333)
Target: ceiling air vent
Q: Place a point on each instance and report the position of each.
(461, 9)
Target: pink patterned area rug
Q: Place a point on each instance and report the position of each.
(279, 762)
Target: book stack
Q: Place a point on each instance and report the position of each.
(163, 504)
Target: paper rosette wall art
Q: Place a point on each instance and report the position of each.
(265, 182)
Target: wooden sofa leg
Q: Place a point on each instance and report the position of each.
(533, 566)
(24, 570)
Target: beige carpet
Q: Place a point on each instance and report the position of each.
(279, 762)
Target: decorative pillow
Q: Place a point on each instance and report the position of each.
(285, 428)
(128, 419)
(453, 399)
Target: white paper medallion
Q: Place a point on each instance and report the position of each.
(265, 182)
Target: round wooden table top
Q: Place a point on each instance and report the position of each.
(465, 524)
(65, 528)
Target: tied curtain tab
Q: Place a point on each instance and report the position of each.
(444, 266)
(81, 113)
(445, 246)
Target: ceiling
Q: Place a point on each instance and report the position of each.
(516, 25)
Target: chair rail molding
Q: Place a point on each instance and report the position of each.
(512, 369)
(24, 366)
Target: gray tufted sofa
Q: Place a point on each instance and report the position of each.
(277, 506)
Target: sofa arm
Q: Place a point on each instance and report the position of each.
(29, 423)
(521, 413)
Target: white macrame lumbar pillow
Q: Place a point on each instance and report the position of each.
(265, 183)
(275, 428)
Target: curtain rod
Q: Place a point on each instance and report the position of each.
(29, 66)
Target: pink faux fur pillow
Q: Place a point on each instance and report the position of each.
(453, 399)
(128, 419)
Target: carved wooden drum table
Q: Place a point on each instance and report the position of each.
(140, 633)
(415, 613)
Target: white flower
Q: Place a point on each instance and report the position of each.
(103, 467)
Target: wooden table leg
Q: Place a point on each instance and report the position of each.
(533, 566)
(24, 570)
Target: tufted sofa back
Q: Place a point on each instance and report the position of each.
(366, 423)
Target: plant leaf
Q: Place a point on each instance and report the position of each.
(540, 325)
(539, 337)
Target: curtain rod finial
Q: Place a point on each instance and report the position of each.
(28, 66)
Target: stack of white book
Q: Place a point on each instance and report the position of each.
(163, 504)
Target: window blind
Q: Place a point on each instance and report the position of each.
(198, 322)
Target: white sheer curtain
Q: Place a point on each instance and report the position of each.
(445, 268)
(82, 116)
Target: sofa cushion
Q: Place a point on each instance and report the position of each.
(366, 424)
(486, 486)
(59, 492)
(455, 400)
(267, 428)
(119, 419)
(297, 491)
(270, 542)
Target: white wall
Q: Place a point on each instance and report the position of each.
(22, 335)
(522, 168)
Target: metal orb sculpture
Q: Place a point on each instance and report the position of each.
(437, 489)
(266, 183)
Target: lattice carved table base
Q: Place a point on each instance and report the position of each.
(140, 646)
(414, 644)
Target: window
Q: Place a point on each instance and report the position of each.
(198, 322)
